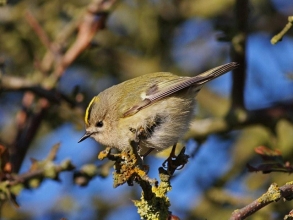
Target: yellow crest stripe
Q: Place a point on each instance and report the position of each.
(87, 112)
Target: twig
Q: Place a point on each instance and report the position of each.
(289, 216)
(12, 184)
(28, 124)
(273, 194)
(278, 37)
(92, 21)
(12, 83)
(32, 21)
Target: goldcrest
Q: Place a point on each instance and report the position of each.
(154, 109)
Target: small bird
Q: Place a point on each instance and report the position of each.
(153, 110)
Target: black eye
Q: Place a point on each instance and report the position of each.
(99, 124)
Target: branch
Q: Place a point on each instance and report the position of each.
(12, 83)
(289, 216)
(32, 21)
(28, 124)
(92, 21)
(273, 194)
(239, 54)
(278, 37)
(236, 119)
(11, 185)
(128, 168)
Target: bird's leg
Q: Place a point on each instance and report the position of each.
(171, 162)
(137, 133)
(171, 156)
(140, 134)
(147, 153)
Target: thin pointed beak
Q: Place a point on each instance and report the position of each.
(85, 136)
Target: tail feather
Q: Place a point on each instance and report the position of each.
(214, 73)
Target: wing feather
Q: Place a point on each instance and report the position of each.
(166, 89)
(169, 87)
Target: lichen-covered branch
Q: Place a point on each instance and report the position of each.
(274, 194)
(157, 207)
(128, 168)
(11, 185)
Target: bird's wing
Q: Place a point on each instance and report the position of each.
(163, 89)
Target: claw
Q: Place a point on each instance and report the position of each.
(169, 162)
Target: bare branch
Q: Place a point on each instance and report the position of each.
(93, 20)
(12, 83)
(239, 53)
(40, 32)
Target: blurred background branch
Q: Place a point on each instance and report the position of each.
(92, 21)
(238, 53)
(278, 37)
